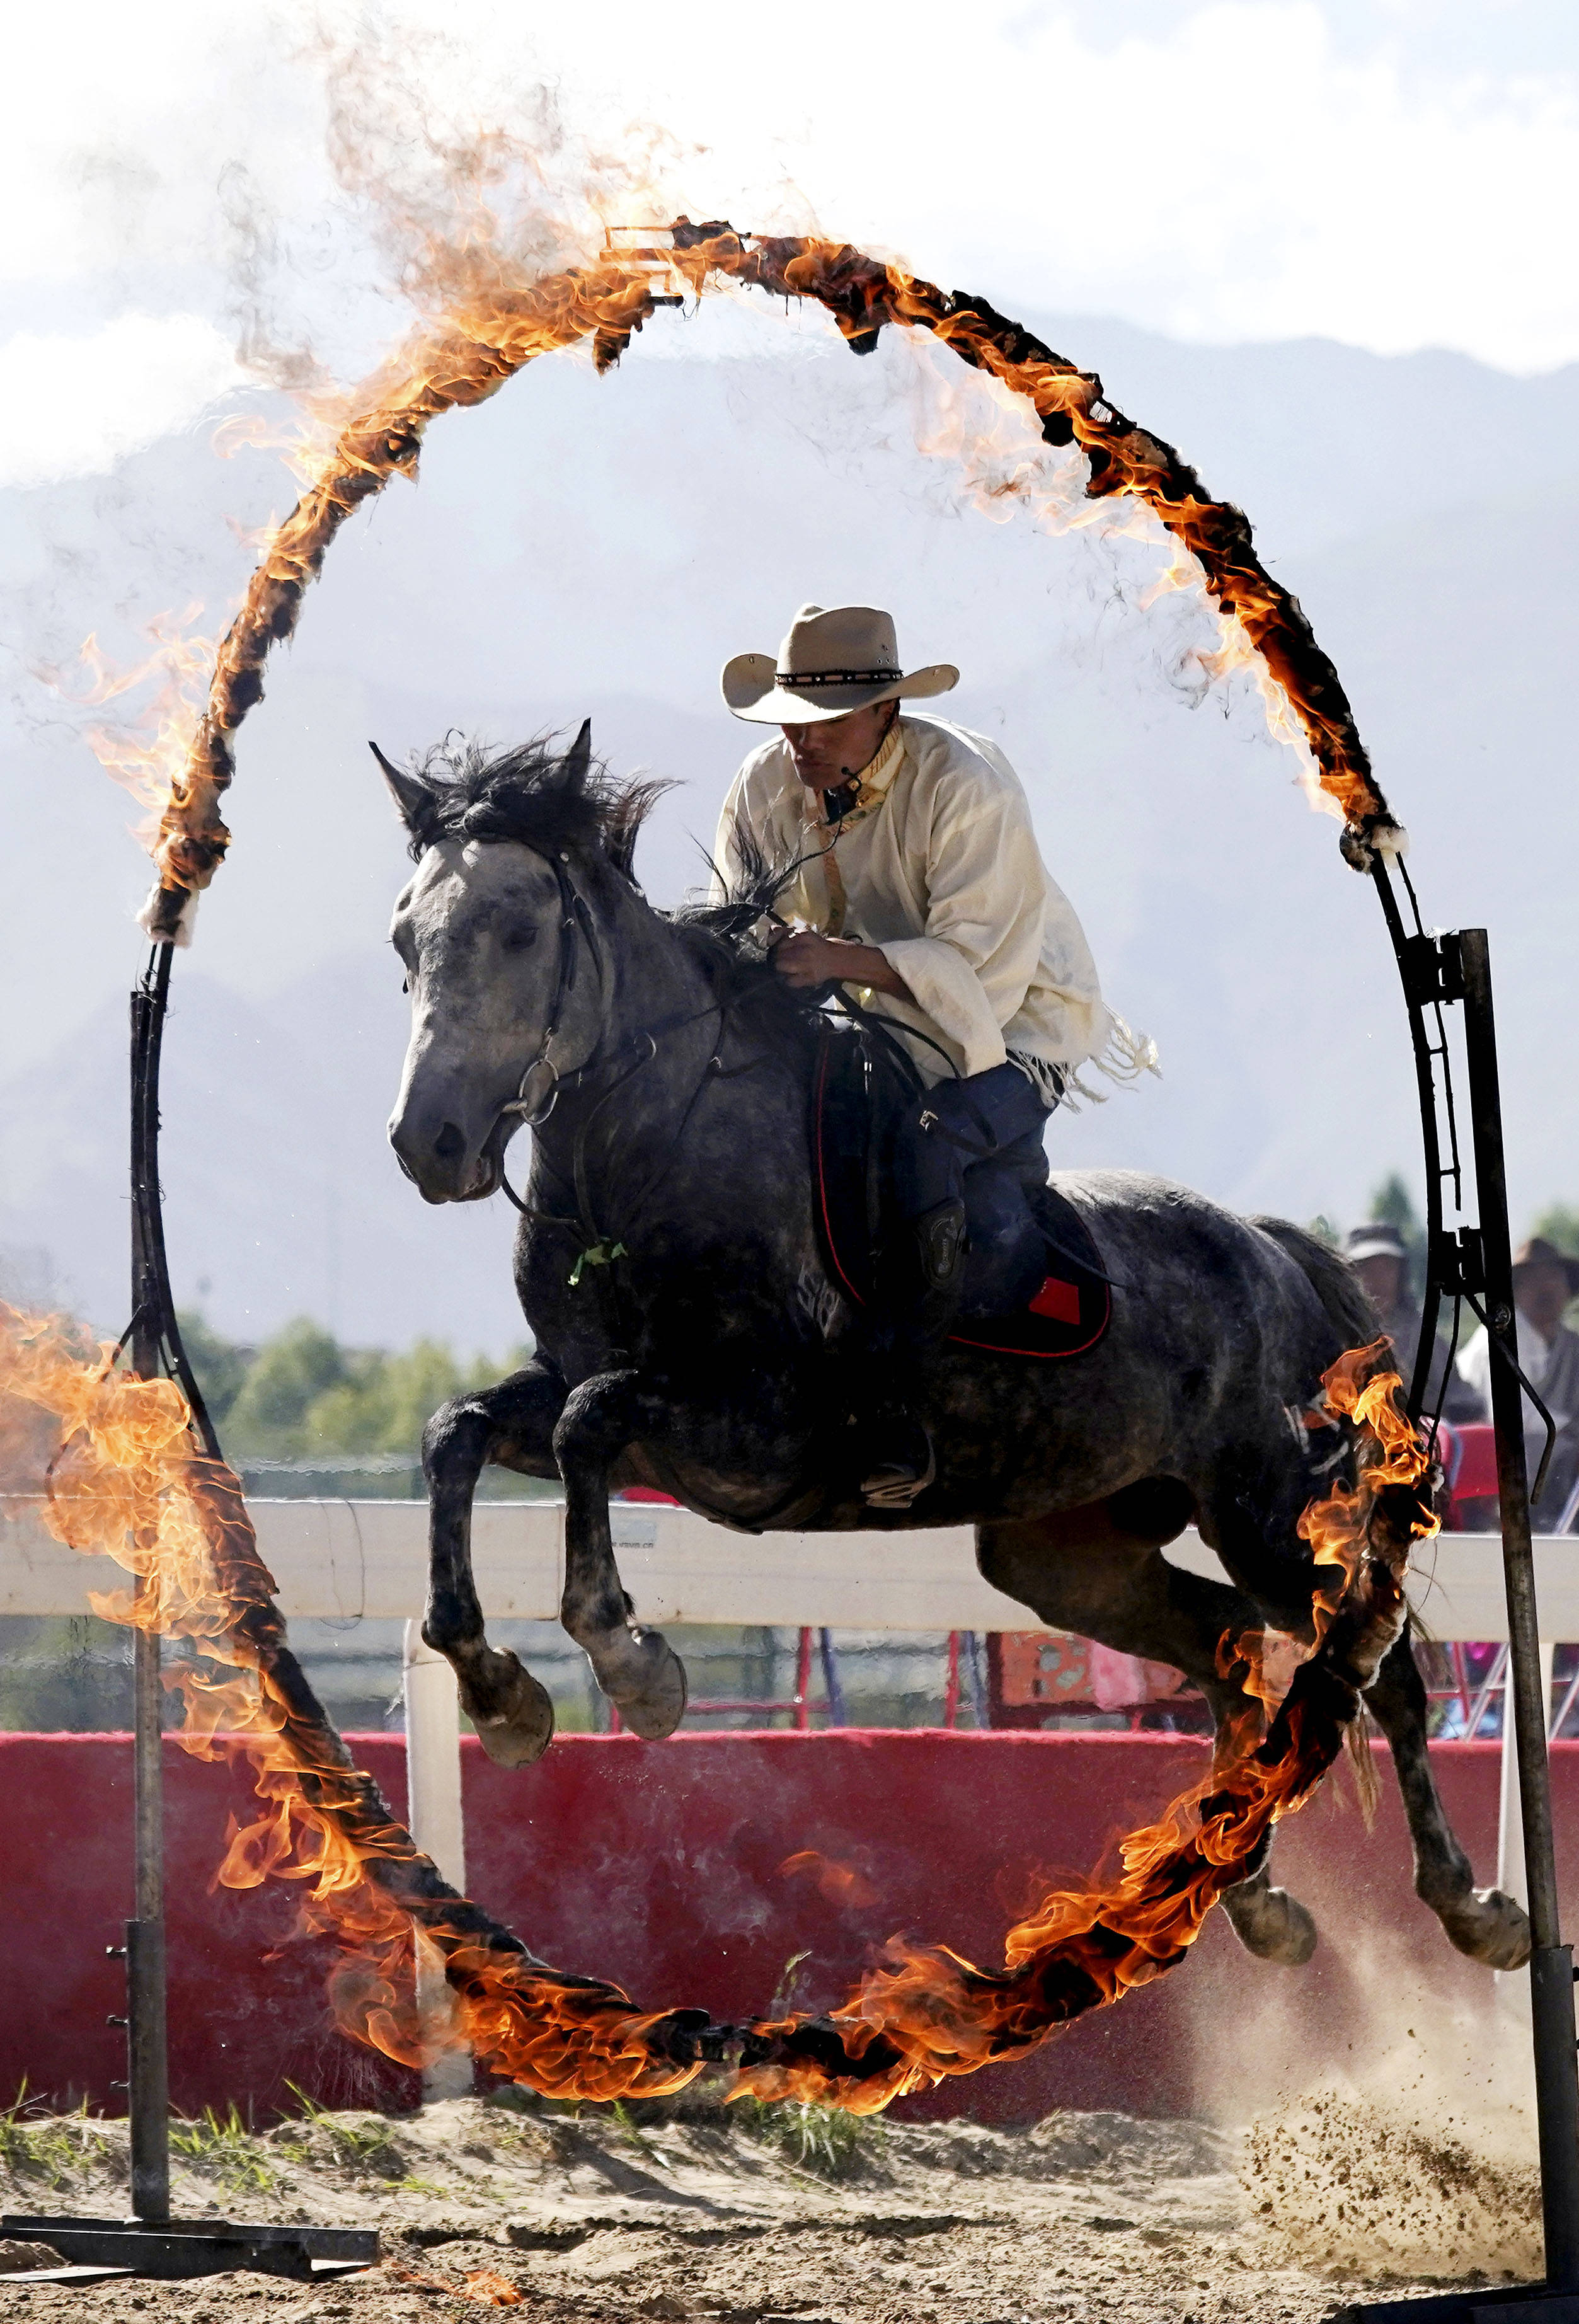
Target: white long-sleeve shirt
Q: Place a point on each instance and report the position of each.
(938, 868)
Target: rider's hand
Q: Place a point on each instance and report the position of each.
(805, 960)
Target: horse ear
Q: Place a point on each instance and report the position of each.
(579, 757)
(412, 798)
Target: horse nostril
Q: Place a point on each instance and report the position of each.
(450, 1145)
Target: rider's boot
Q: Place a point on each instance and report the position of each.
(900, 1460)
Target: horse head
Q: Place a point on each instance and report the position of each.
(515, 854)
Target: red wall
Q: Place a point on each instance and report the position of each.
(659, 1866)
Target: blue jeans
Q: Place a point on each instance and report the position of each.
(991, 1120)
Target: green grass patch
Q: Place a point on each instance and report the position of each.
(821, 2139)
(55, 2148)
(222, 2146)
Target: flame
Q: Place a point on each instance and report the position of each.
(926, 2013)
(837, 1884)
(127, 1484)
(494, 315)
(491, 2290)
(148, 752)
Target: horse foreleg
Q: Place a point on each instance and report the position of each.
(1082, 1571)
(636, 1667)
(1483, 1923)
(510, 1424)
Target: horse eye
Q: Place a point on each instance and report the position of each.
(519, 939)
(405, 984)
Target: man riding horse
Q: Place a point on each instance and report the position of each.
(920, 889)
(694, 1326)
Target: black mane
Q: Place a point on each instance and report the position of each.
(537, 792)
(552, 799)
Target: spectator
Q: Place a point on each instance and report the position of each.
(1544, 1281)
(1380, 1257)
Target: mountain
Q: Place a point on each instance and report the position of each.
(582, 545)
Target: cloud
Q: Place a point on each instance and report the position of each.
(1232, 171)
(1238, 173)
(72, 405)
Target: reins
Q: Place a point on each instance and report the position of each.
(574, 912)
(534, 1109)
(575, 917)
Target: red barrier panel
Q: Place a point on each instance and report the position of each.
(663, 1867)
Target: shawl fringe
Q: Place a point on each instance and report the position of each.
(1124, 1057)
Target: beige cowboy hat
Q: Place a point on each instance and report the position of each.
(833, 661)
(1538, 1252)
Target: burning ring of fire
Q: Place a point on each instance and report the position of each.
(129, 1484)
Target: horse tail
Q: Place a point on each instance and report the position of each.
(1331, 1278)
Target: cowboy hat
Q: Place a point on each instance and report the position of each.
(1538, 1252)
(832, 662)
(1375, 1240)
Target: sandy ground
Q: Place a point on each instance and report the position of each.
(700, 2211)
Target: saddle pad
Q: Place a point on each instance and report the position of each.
(1066, 1316)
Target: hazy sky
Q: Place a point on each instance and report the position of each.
(1393, 173)
(197, 180)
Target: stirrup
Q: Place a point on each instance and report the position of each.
(896, 1492)
(941, 1243)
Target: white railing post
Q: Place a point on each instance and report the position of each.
(1514, 1988)
(434, 1813)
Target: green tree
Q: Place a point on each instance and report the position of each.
(383, 1402)
(221, 1365)
(1392, 1205)
(1559, 1222)
(300, 1364)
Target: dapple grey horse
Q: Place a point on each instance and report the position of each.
(691, 1335)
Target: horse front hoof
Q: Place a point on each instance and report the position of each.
(645, 1680)
(1490, 1927)
(1270, 1923)
(513, 1712)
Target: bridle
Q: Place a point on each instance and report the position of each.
(534, 1105)
(574, 912)
(542, 1082)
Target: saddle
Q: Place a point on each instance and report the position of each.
(1034, 1283)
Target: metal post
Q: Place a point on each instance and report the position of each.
(951, 1683)
(831, 1684)
(803, 1683)
(147, 2047)
(147, 2051)
(1551, 1967)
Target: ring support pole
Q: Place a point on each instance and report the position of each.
(147, 2045)
(1551, 1967)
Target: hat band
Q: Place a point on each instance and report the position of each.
(835, 676)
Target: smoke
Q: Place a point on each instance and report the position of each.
(445, 183)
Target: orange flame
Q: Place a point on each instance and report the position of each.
(126, 1483)
(499, 317)
(837, 1884)
(147, 752)
(926, 2013)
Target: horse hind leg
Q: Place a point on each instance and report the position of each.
(1483, 1923)
(511, 1424)
(1099, 1572)
(1267, 1919)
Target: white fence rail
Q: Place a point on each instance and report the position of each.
(342, 1559)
